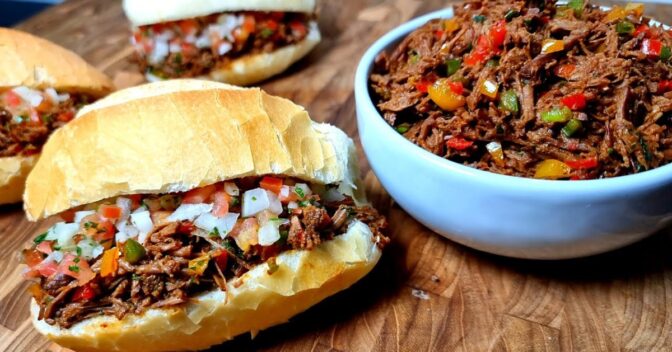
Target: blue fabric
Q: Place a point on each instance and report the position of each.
(13, 12)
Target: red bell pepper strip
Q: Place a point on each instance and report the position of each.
(456, 87)
(652, 47)
(587, 163)
(459, 143)
(575, 101)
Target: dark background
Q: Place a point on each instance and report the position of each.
(13, 11)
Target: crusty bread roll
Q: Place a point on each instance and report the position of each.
(26, 60)
(177, 135)
(143, 12)
(247, 69)
(168, 137)
(253, 68)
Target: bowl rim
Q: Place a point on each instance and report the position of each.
(645, 180)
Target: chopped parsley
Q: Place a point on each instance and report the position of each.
(266, 32)
(235, 201)
(73, 268)
(214, 233)
(135, 277)
(299, 191)
(39, 239)
(90, 225)
(479, 18)
(79, 251)
(76, 260)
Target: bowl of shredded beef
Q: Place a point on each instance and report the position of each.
(533, 129)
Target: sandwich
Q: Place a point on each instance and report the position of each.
(42, 85)
(239, 42)
(191, 212)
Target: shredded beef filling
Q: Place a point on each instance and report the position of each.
(173, 268)
(618, 64)
(25, 131)
(194, 47)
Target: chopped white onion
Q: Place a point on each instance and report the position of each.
(175, 48)
(231, 189)
(254, 201)
(143, 222)
(224, 225)
(191, 38)
(224, 48)
(274, 204)
(62, 233)
(51, 93)
(333, 195)
(125, 204)
(160, 52)
(270, 232)
(304, 189)
(55, 256)
(80, 215)
(89, 248)
(31, 96)
(292, 205)
(189, 212)
(284, 191)
(203, 41)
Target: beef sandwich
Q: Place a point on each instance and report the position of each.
(239, 42)
(192, 212)
(42, 86)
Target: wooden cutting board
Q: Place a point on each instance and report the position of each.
(427, 293)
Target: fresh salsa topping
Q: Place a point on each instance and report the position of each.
(28, 116)
(192, 47)
(130, 253)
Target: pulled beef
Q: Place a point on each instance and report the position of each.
(191, 61)
(625, 124)
(164, 278)
(22, 136)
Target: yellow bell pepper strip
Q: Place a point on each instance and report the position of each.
(197, 266)
(617, 13)
(451, 25)
(110, 262)
(550, 46)
(489, 88)
(442, 95)
(636, 9)
(554, 115)
(552, 169)
(496, 152)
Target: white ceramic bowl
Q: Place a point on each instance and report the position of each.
(512, 216)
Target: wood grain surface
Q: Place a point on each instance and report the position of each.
(427, 293)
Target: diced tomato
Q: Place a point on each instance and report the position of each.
(249, 24)
(271, 24)
(186, 227)
(459, 143)
(456, 87)
(105, 230)
(135, 200)
(65, 116)
(68, 215)
(12, 99)
(642, 29)
(111, 212)
(438, 33)
(277, 15)
(45, 247)
(424, 83)
(84, 293)
(199, 195)
(498, 34)
(137, 37)
(664, 86)
(565, 71)
(652, 47)
(545, 19)
(188, 49)
(188, 26)
(221, 206)
(158, 27)
(298, 28)
(587, 163)
(78, 269)
(273, 184)
(47, 269)
(32, 257)
(575, 101)
(221, 259)
(287, 195)
(246, 234)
